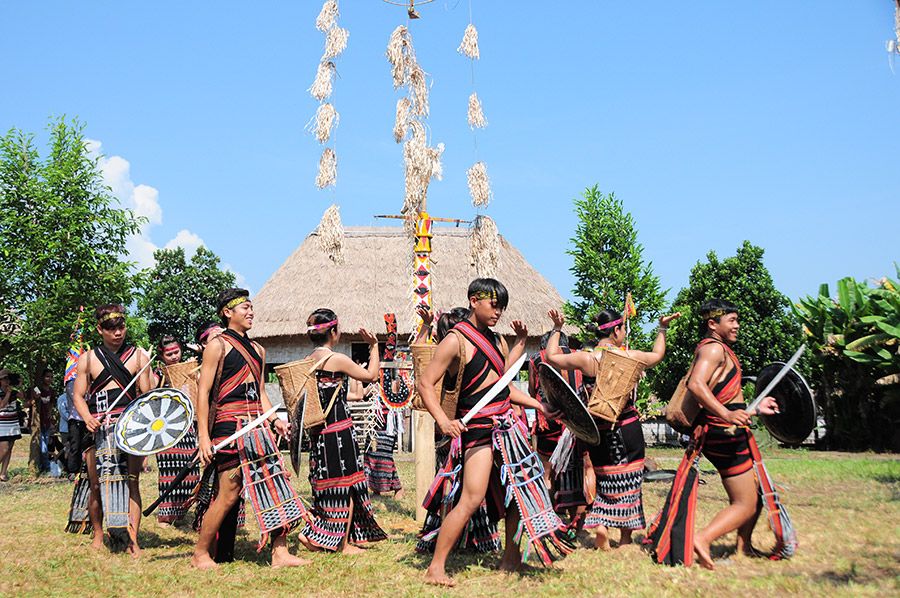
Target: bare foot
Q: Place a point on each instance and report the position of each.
(164, 524)
(135, 551)
(399, 494)
(203, 562)
(307, 544)
(625, 538)
(701, 549)
(601, 540)
(439, 578)
(350, 549)
(509, 564)
(97, 542)
(287, 560)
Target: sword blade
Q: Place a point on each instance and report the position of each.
(250, 425)
(496, 389)
(781, 374)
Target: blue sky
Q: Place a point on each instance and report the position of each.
(715, 122)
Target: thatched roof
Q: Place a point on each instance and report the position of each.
(376, 277)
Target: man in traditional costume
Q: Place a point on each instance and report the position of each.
(618, 461)
(232, 393)
(481, 533)
(492, 451)
(171, 461)
(102, 374)
(720, 433)
(342, 518)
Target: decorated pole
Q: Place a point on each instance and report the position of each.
(424, 423)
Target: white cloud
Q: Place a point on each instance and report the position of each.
(187, 240)
(239, 279)
(144, 201)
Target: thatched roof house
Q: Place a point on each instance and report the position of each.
(376, 278)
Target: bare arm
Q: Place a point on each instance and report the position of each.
(82, 380)
(518, 347)
(7, 395)
(425, 329)
(651, 358)
(444, 356)
(146, 382)
(281, 427)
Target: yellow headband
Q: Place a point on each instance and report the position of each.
(235, 302)
(716, 313)
(110, 316)
(490, 296)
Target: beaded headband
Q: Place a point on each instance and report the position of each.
(612, 324)
(111, 316)
(712, 315)
(490, 295)
(322, 326)
(235, 302)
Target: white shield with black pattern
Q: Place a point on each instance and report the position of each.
(154, 422)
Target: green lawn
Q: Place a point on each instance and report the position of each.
(845, 506)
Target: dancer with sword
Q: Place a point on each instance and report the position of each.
(721, 433)
(488, 439)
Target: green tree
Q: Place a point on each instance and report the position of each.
(62, 238)
(177, 295)
(608, 263)
(769, 329)
(855, 344)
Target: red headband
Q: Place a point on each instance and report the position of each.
(610, 324)
(322, 326)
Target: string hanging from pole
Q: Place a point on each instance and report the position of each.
(326, 117)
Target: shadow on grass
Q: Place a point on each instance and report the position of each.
(462, 561)
(150, 539)
(393, 505)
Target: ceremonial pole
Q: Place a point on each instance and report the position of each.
(423, 423)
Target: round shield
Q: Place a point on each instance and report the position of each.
(797, 409)
(563, 398)
(154, 422)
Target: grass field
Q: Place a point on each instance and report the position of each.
(845, 506)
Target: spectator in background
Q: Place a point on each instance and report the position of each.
(62, 408)
(78, 433)
(10, 426)
(42, 424)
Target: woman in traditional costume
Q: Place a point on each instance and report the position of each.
(232, 393)
(618, 461)
(342, 517)
(492, 451)
(10, 429)
(170, 461)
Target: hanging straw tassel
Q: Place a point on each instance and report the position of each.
(476, 115)
(330, 233)
(419, 89)
(435, 169)
(401, 122)
(484, 247)
(321, 87)
(323, 122)
(327, 176)
(327, 16)
(400, 54)
(335, 42)
(469, 45)
(479, 185)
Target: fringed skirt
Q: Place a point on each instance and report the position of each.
(619, 467)
(381, 471)
(79, 519)
(112, 473)
(569, 485)
(267, 485)
(522, 475)
(336, 477)
(170, 463)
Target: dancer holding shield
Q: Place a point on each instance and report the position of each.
(104, 385)
(618, 460)
(720, 432)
